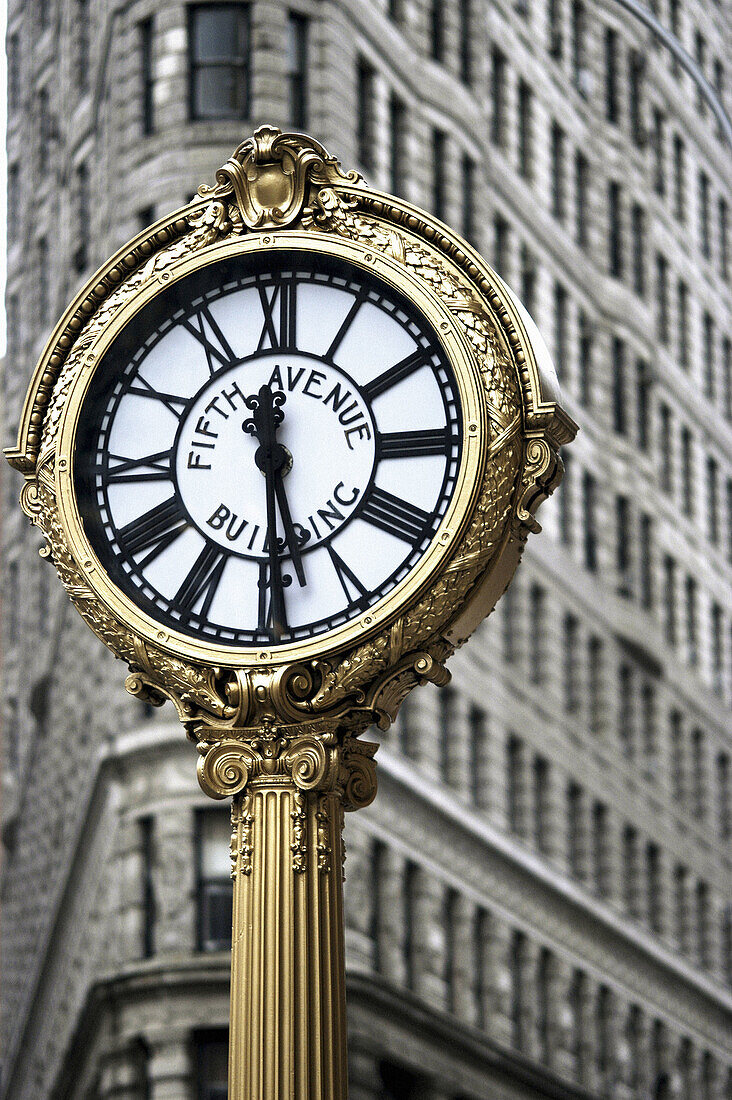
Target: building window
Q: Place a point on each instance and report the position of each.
(662, 313)
(708, 357)
(14, 201)
(638, 231)
(44, 292)
(528, 278)
(213, 836)
(687, 473)
(466, 61)
(83, 16)
(642, 403)
(558, 198)
(575, 831)
(700, 51)
(467, 181)
(555, 40)
(581, 196)
(579, 32)
(297, 68)
(682, 321)
(630, 871)
(439, 160)
(560, 329)
(437, 30)
(681, 908)
(449, 923)
(692, 624)
(666, 449)
(219, 61)
(724, 796)
(704, 236)
(81, 189)
(518, 990)
(537, 631)
(211, 1057)
(501, 240)
(541, 779)
(478, 727)
(447, 731)
(636, 66)
(499, 70)
(600, 869)
(398, 151)
(727, 377)
(653, 888)
(623, 546)
(615, 230)
(525, 131)
(571, 678)
(145, 33)
(712, 478)
(584, 358)
(14, 72)
(589, 528)
(515, 786)
(679, 179)
(365, 113)
(649, 730)
(669, 600)
(149, 908)
(723, 238)
(626, 710)
(544, 1021)
(619, 398)
(659, 152)
(594, 684)
(409, 901)
(646, 561)
(717, 650)
(612, 102)
(702, 925)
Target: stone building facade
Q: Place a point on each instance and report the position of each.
(538, 903)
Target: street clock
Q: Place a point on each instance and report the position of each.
(285, 448)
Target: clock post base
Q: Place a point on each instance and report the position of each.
(287, 1034)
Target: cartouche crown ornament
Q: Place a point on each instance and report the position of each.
(283, 192)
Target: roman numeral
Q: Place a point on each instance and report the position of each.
(154, 531)
(154, 467)
(279, 309)
(272, 621)
(208, 333)
(203, 580)
(354, 591)
(431, 441)
(396, 516)
(347, 322)
(170, 400)
(397, 373)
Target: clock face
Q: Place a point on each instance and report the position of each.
(271, 451)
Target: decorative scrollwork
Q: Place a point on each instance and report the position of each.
(224, 768)
(299, 846)
(307, 762)
(359, 787)
(322, 824)
(241, 846)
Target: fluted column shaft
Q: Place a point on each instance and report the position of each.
(288, 1002)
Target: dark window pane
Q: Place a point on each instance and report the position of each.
(219, 42)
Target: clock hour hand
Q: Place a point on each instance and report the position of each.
(274, 460)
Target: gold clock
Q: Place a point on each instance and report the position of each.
(285, 448)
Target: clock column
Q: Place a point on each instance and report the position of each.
(291, 785)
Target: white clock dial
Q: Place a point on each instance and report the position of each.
(271, 451)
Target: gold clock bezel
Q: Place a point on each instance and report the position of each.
(451, 527)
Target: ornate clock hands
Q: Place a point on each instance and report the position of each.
(274, 461)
